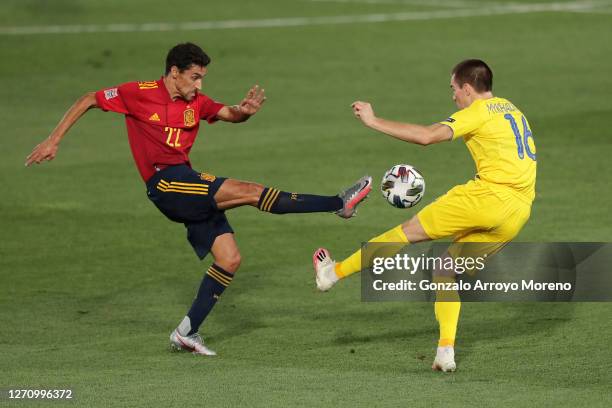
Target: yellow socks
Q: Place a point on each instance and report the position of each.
(352, 264)
(447, 308)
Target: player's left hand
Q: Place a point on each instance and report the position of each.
(251, 104)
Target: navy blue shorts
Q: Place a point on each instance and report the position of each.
(186, 196)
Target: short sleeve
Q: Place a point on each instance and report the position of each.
(465, 121)
(111, 99)
(209, 109)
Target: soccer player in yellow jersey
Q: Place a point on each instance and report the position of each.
(492, 208)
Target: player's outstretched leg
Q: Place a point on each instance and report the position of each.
(235, 193)
(328, 272)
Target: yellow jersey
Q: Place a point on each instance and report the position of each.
(500, 141)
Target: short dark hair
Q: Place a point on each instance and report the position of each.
(474, 72)
(185, 55)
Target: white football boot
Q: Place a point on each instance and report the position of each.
(445, 359)
(325, 271)
(192, 343)
(353, 196)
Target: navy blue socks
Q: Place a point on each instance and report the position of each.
(214, 283)
(281, 202)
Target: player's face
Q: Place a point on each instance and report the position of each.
(189, 82)
(460, 94)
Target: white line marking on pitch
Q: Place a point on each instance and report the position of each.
(427, 3)
(301, 21)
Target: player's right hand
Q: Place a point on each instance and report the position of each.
(45, 151)
(363, 111)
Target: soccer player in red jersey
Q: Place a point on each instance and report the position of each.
(163, 118)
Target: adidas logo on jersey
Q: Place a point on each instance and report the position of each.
(154, 118)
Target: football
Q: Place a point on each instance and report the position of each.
(403, 186)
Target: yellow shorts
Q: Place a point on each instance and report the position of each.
(477, 211)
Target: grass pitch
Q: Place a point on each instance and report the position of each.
(93, 278)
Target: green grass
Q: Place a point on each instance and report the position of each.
(93, 278)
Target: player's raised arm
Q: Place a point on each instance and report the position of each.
(408, 132)
(250, 105)
(47, 149)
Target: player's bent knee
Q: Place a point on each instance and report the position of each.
(254, 190)
(248, 191)
(230, 263)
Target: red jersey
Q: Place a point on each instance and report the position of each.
(161, 131)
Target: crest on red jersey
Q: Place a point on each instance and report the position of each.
(189, 118)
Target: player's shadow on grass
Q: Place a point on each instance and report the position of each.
(230, 322)
(370, 326)
(519, 320)
(507, 320)
(348, 337)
